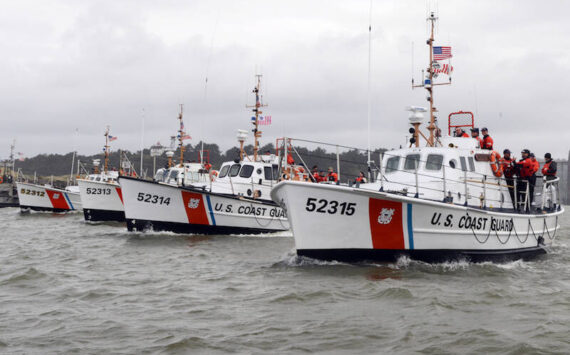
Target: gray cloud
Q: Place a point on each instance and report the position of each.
(85, 65)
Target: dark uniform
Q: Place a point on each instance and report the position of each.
(509, 169)
(549, 168)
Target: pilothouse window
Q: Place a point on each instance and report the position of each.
(434, 162)
(412, 162)
(269, 174)
(463, 163)
(471, 163)
(234, 170)
(224, 171)
(392, 164)
(246, 171)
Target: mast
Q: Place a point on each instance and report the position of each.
(180, 136)
(12, 160)
(429, 88)
(257, 111)
(106, 164)
(428, 84)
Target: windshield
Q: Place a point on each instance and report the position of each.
(434, 162)
(412, 162)
(392, 164)
(234, 170)
(246, 171)
(224, 171)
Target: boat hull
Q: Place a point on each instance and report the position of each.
(162, 207)
(102, 201)
(42, 198)
(354, 224)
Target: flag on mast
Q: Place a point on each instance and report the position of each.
(444, 69)
(441, 53)
(264, 120)
(112, 138)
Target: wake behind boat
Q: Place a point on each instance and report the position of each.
(446, 201)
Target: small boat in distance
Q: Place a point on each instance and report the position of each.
(100, 192)
(8, 191)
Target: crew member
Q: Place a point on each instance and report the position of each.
(475, 134)
(526, 168)
(487, 140)
(315, 173)
(460, 133)
(332, 176)
(360, 178)
(207, 167)
(509, 170)
(549, 168)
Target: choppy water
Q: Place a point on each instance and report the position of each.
(71, 287)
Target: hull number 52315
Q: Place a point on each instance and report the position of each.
(330, 207)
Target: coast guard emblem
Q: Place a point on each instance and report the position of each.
(193, 203)
(55, 196)
(385, 216)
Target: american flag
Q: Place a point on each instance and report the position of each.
(445, 69)
(112, 138)
(441, 53)
(185, 136)
(264, 120)
(20, 156)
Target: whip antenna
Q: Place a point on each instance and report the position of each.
(369, 71)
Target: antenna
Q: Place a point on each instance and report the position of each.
(142, 142)
(369, 74)
(181, 133)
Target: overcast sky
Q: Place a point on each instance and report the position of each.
(81, 65)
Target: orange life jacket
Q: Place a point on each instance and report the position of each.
(535, 165)
(546, 171)
(332, 177)
(508, 167)
(487, 142)
(526, 167)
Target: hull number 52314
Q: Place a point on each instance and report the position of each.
(149, 198)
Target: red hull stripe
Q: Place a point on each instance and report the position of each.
(57, 200)
(386, 227)
(195, 209)
(120, 192)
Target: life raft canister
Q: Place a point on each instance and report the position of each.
(496, 165)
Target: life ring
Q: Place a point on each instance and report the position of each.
(1, 179)
(213, 175)
(496, 164)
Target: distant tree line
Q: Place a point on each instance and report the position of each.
(351, 161)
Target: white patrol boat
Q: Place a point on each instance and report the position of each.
(100, 192)
(445, 201)
(235, 202)
(48, 198)
(36, 197)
